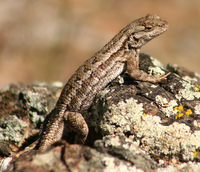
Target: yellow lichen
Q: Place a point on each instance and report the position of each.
(198, 89)
(194, 154)
(179, 108)
(179, 116)
(144, 114)
(188, 112)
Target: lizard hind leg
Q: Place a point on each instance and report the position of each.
(77, 123)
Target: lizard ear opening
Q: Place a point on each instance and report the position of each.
(137, 40)
(132, 42)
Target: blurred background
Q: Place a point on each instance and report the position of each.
(47, 40)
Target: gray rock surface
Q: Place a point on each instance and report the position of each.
(134, 126)
(23, 108)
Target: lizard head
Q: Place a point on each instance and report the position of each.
(144, 29)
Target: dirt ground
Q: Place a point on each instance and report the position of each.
(48, 40)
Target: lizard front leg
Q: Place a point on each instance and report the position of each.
(137, 74)
(76, 122)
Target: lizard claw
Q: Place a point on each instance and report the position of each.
(162, 77)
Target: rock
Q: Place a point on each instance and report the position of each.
(163, 118)
(70, 158)
(134, 125)
(124, 148)
(11, 128)
(5, 163)
(23, 108)
(4, 149)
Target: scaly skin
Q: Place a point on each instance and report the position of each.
(121, 53)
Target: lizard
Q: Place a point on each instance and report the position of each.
(118, 55)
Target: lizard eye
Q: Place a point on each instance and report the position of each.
(148, 27)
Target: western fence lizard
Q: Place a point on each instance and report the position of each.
(118, 55)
